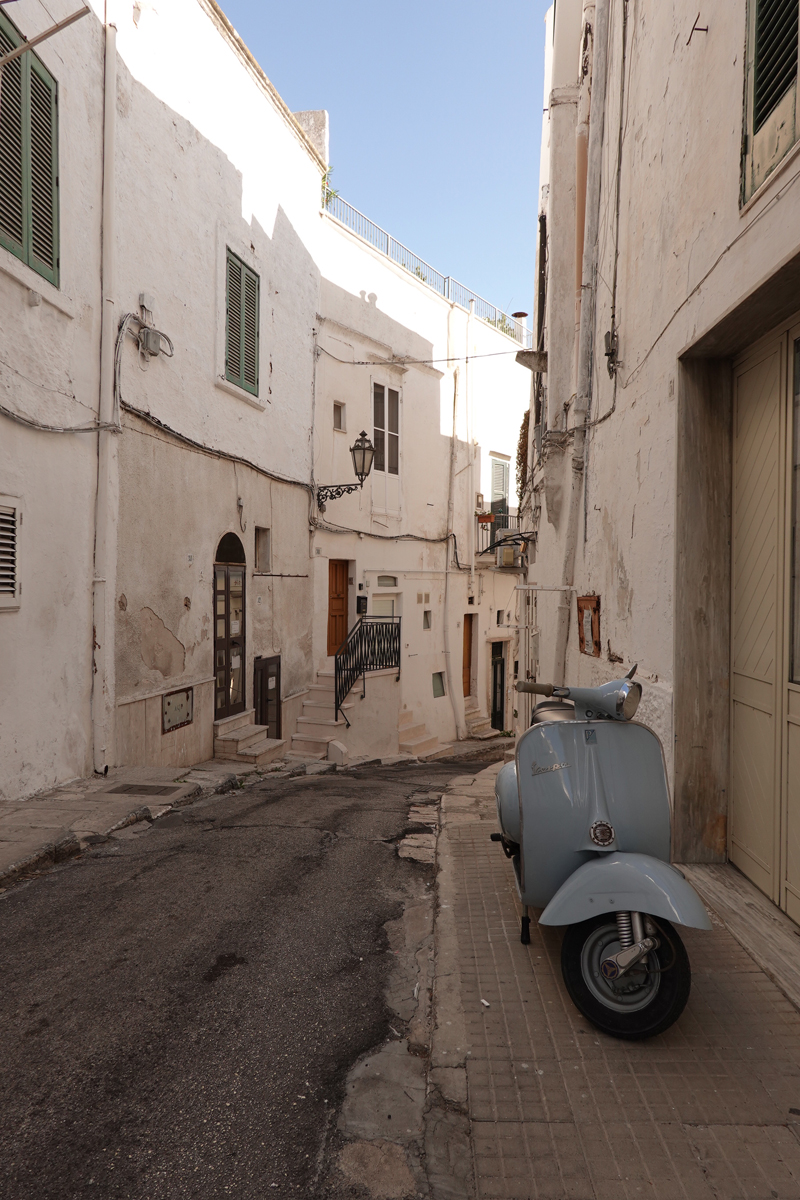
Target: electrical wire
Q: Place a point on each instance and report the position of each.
(415, 362)
(32, 423)
(201, 448)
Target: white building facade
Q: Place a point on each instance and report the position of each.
(166, 569)
(663, 441)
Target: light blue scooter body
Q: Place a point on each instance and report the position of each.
(567, 776)
(627, 883)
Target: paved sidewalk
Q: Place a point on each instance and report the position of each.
(710, 1109)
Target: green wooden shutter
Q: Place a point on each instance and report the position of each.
(12, 221)
(775, 55)
(28, 158)
(43, 246)
(242, 320)
(233, 326)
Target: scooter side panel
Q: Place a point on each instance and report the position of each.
(573, 773)
(507, 796)
(626, 882)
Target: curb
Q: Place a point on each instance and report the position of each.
(52, 853)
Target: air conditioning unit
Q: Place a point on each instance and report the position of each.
(508, 556)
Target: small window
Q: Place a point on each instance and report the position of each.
(383, 606)
(241, 325)
(263, 551)
(426, 619)
(339, 417)
(28, 158)
(500, 616)
(438, 684)
(386, 412)
(10, 521)
(771, 118)
(499, 481)
(387, 581)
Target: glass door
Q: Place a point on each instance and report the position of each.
(229, 643)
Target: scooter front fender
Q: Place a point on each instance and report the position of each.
(626, 883)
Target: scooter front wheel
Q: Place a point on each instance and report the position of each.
(643, 1002)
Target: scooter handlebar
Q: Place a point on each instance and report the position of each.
(538, 689)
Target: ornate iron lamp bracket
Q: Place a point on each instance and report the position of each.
(333, 491)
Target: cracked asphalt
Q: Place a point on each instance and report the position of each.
(180, 1007)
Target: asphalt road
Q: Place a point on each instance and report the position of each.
(179, 1010)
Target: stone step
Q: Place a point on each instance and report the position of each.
(470, 704)
(442, 751)
(266, 750)
(310, 746)
(240, 738)
(419, 745)
(482, 734)
(320, 727)
(226, 724)
(406, 718)
(296, 756)
(410, 733)
(321, 705)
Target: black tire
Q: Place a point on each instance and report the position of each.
(644, 1002)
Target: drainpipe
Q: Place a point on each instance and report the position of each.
(457, 711)
(107, 497)
(471, 441)
(594, 84)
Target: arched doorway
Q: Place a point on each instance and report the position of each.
(229, 617)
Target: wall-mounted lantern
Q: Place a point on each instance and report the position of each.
(363, 452)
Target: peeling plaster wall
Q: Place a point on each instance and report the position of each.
(688, 257)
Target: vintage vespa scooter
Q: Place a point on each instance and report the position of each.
(585, 818)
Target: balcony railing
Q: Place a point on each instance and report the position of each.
(373, 644)
(445, 285)
(493, 528)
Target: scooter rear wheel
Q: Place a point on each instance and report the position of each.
(645, 1001)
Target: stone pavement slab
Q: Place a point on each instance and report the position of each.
(708, 1110)
(58, 823)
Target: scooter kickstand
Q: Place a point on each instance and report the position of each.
(525, 930)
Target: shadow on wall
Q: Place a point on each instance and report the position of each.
(175, 502)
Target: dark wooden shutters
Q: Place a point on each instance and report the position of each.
(8, 553)
(775, 55)
(241, 335)
(28, 158)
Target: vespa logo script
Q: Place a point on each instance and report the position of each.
(537, 770)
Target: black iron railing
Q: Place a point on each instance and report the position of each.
(373, 644)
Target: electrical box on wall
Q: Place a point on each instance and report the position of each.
(361, 606)
(589, 625)
(177, 709)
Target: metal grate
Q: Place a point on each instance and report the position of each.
(8, 551)
(775, 55)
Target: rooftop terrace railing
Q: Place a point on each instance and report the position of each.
(445, 285)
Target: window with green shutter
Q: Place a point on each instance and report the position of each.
(28, 158)
(771, 124)
(241, 325)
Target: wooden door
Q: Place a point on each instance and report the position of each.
(267, 694)
(229, 642)
(337, 603)
(757, 578)
(466, 660)
(498, 686)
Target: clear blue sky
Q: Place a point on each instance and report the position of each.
(435, 109)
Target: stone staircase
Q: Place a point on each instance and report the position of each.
(415, 739)
(478, 726)
(317, 726)
(241, 740)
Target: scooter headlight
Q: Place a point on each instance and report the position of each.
(628, 700)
